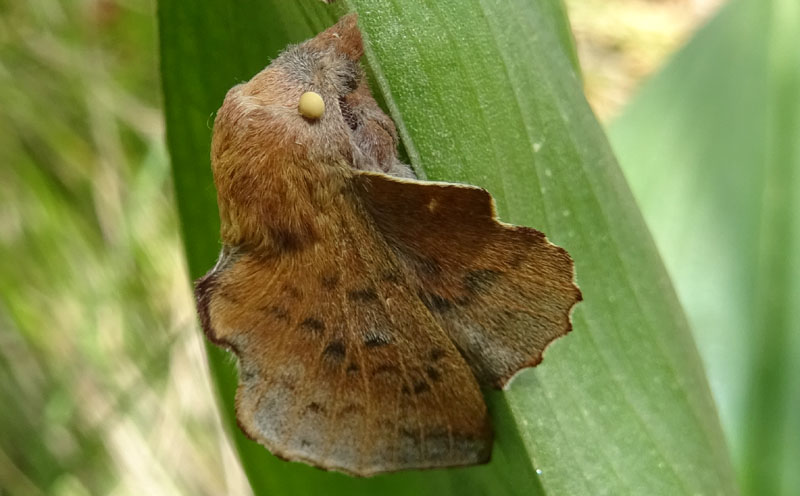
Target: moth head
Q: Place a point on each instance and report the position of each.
(310, 105)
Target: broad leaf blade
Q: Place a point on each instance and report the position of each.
(712, 149)
(487, 93)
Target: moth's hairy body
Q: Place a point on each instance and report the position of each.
(366, 308)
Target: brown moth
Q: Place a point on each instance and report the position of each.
(366, 308)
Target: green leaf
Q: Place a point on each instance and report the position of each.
(486, 93)
(711, 147)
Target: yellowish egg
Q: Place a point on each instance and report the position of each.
(311, 105)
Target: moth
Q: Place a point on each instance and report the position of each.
(366, 308)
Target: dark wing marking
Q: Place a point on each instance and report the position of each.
(501, 292)
(341, 366)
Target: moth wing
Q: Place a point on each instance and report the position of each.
(502, 293)
(340, 366)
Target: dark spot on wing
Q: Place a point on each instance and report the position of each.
(364, 295)
(314, 325)
(330, 281)
(479, 281)
(421, 387)
(335, 351)
(315, 407)
(285, 240)
(353, 368)
(434, 374)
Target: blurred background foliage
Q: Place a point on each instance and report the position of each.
(103, 382)
(711, 147)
